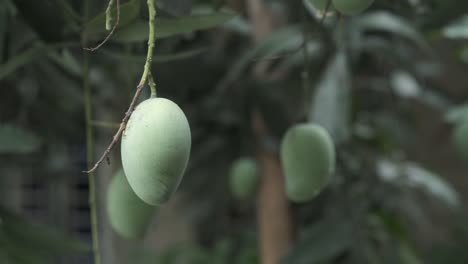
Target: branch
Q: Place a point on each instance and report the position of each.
(108, 22)
(117, 135)
(141, 85)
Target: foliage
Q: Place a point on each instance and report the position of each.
(361, 77)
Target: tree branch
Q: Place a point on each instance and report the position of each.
(141, 85)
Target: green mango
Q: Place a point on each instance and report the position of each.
(461, 138)
(155, 149)
(308, 160)
(351, 7)
(243, 178)
(129, 216)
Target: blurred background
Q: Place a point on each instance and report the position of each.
(390, 85)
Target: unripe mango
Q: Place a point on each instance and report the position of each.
(155, 149)
(243, 179)
(461, 138)
(129, 216)
(308, 160)
(351, 7)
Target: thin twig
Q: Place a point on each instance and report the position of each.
(117, 135)
(141, 85)
(113, 27)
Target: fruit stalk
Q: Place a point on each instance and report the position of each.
(141, 85)
(151, 40)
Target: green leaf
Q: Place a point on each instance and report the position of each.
(128, 12)
(405, 85)
(432, 183)
(408, 255)
(66, 61)
(457, 114)
(331, 105)
(175, 7)
(281, 41)
(457, 29)
(27, 56)
(322, 242)
(387, 22)
(158, 58)
(412, 175)
(38, 239)
(166, 27)
(20, 60)
(17, 140)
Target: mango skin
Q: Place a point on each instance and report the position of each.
(155, 149)
(460, 137)
(308, 160)
(129, 216)
(351, 7)
(243, 179)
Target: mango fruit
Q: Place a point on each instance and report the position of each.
(129, 216)
(243, 179)
(351, 7)
(308, 160)
(155, 149)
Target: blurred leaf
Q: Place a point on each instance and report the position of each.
(408, 255)
(17, 140)
(432, 183)
(158, 58)
(3, 30)
(446, 11)
(457, 114)
(387, 22)
(20, 60)
(457, 29)
(221, 252)
(175, 7)
(464, 54)
(239, 25)
(283, 40)
(314, 49)
(166, 27)
(412, 175)
(45, 18)
(405, 85)
(128, 12)
(67, 62)
(36, 238)
(322, 242)
(331, 105)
